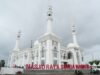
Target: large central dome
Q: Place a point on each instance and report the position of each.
(72, 45)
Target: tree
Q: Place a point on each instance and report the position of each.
(94, 61)
(91, 63)
(2, 63)
(97, 62)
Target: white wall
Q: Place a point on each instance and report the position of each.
(5, 70)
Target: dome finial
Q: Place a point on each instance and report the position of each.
(19, 34)
(49, 13)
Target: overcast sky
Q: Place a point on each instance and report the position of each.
(29, 16)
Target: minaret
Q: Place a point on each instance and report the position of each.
(78, 58)
(74, 33)
(49, 20)
(17, 41)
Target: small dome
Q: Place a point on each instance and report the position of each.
(36, 42)
(72, 45)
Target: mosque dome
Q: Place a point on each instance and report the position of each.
(72, 45)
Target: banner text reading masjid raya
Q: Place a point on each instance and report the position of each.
(58, 67)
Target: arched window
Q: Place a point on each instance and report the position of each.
(32, 56)
(82, 59)
(64, 57)
(43, 52)
(25, 56)
(55, 62)
(42, 62)
(55, 48)
(77, 54)
(55, 52)
(69, 55)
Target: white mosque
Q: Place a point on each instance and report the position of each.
(47, 49)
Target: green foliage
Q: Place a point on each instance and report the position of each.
(97, 62)
(94, 61)
(2, 63)
(91, 63)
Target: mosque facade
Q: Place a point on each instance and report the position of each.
(47, 49)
